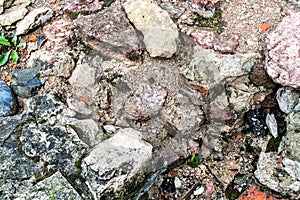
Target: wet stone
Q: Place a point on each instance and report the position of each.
(8, 103)
(53, 187)
(25, 81)
(146, 101)
(257, 122)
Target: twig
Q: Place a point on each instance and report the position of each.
(188, 193)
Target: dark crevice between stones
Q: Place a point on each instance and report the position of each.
(77, 181)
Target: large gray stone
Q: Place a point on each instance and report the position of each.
(160, 32)
(114, 167)
(210, 68)
(54, 187)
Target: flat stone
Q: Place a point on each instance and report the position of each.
(84, 75)
(35, 18)
(210, 68)
(108, 31)
(160, 32)
(8, 103)
(114, 166)
(12, 15)
(53, 187)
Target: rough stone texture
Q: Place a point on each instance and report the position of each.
(272, 174)
(259, 77)
(246, 17)
(160, 33)
(87, 130)
(13, 15)
(8, 103)
(53, 187)
(146, 101)
(35, 18)
(77, 6)
(109, 32)
(290, 142)
(105, 174)
(287, 99)
(210, 68)
(283, 63)
(25, 82)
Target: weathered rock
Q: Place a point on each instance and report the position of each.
(25, 82)
(283, 63)
(53, 187)
(259, 77)
(45, 108)
(114, 167)
(13, 15)
(57, 145)
(160, 32)
(35, 18)
(281, 179)
(174, 11)
(109, 32)
(87, 130)
(210, 68)
(287, 99)
(290, 142)
(146, 101)
(8, 103)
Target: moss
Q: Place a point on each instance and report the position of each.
(273, 144)
(215, 22)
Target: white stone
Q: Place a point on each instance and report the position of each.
(272, 124)
(115, 162)
(177, 182)
(12, 15)
(199, 190)
(160, 32)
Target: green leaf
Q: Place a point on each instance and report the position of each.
(192, 164)
(15, 39)
(4, 41)
(14, 56)
(4, 58)
(20, 45)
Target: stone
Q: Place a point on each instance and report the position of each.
(53, 187)
(8, 103)
(78, 6)
(109, 32)
(256, 121)
(210, 68)
(87, 130)
(177, 182)
(1, 6)
(287, 99)
(146, 101)
(283, 58)
(290, 142)
(199, 190)
(114, 167)
(14, 14)
(279, 178)
(25, 82)
(272, 124)
(57, 145)
(159, 31)
(35, 18)
(259, 77)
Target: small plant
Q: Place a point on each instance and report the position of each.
(195, 161)
(10, 50)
